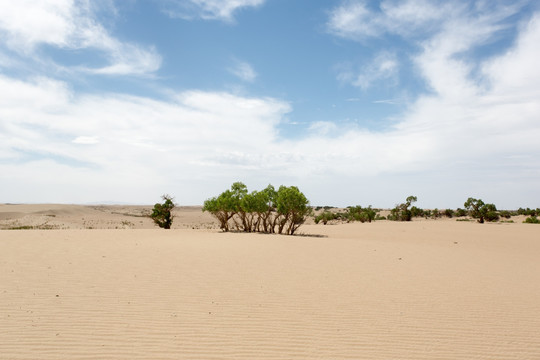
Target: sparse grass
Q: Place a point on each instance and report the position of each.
(464, 220)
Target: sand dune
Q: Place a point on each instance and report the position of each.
(420, 290)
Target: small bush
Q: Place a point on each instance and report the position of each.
(326, 216)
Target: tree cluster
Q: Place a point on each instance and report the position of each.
(268, 210)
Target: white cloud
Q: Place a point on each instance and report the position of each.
(243, 71)
(27, 25)
(356, 20)
(208, 9)
(86, 140)
(383, 67)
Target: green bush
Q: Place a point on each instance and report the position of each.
(532, 220)
(358, 213)
(417, 212)
(402, 212)
(161, 213)
(461, 212)
(326, 216)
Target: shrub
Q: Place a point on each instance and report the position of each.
(528, 212)
(532, 220)
(325, 217)
(461, 212)
(161, 213)
(358, 213)
(401, 212)
(449, 213)
(417, 212)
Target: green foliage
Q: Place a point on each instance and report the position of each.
(260, 211)
(417, 212)
(358, 213)
(528, 212)
(532, 220)
(481, 211)
(449, 213)
(161, 213)
(491, 213)
(293, 207)
(402, 212)
(353, 213)
(223, 207)
(327, 216)
(461, 212)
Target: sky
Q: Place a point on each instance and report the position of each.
(355, 102)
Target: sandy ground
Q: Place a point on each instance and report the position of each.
(387, 290)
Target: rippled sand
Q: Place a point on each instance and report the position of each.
(420, 290)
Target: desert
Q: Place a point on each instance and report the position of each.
(103, 282)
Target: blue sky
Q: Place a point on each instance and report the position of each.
(355, 102)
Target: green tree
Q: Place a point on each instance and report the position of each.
(268, 222)
(481, 211)
(475, 208)
(222, 207)
(162, 213)
(402, 212)
(293, 207)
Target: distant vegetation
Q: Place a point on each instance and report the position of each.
(162, 213)
(532, 220)
(402, 212)
(352, 213)
(474, 208)
(268, 211)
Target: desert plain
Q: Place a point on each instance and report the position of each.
(102, 282)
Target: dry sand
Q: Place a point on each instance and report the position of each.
(421, 290)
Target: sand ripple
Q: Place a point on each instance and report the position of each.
(150, 294)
